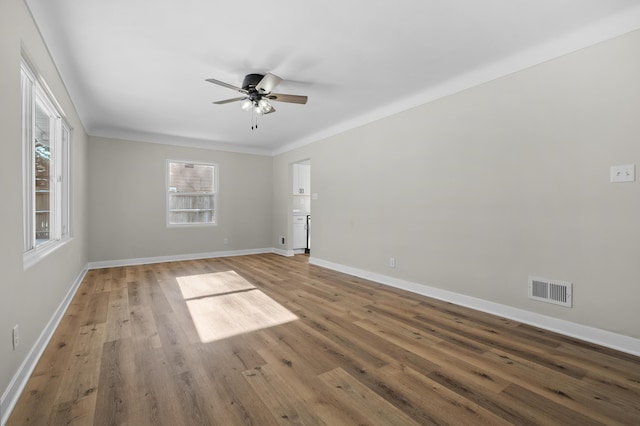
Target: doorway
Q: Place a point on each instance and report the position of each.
(301, 206)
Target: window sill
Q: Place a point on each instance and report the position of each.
(33, 256)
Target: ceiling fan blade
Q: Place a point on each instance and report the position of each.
(226, 101)
(268, 83)
(294, 99)
(227, 85)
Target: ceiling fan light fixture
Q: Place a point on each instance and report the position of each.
(264, 105)
(258, 109)
(246, 105)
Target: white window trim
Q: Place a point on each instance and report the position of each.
(34, 89)
(216, 195)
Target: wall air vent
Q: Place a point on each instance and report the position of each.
(551, 291)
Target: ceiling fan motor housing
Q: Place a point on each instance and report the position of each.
(249, 84)
(251, 81)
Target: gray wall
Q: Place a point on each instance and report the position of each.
(474, 192)
(127, 199)
(30, 298)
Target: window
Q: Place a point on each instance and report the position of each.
(191, 193)
(45, 140)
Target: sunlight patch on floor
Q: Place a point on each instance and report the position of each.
(224, 304)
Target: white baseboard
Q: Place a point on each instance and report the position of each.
(178, 257)
(590, 334)
(281, 252)
(19, 380)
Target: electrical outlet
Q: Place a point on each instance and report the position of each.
(282, 240)
(16, 336)
(392, 262)
(226, 241)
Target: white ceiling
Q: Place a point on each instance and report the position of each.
(136, 69)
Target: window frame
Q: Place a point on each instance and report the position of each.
(36, 93)
(168, 193)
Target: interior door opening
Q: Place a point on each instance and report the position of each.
(301, 206)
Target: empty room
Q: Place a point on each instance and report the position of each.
(320, 213)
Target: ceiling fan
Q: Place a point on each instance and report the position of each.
(257, 93)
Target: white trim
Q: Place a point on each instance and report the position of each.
(35, 94)
(19, 380)
(28, 106)
(173, 140)
(590, 334)
(282, 252)
(34, 255)
(177, 257)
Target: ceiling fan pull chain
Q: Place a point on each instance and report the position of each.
(254, 120)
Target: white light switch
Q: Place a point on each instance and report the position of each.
(626, 173)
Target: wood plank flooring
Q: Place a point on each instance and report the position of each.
(268, 340)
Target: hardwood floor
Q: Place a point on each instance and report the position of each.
(269, 340)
